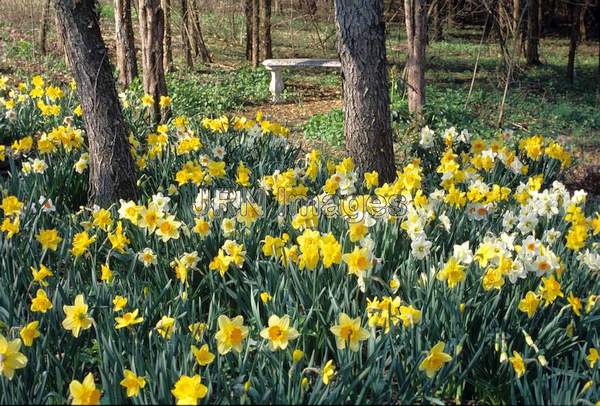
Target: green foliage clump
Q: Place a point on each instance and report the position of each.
(328, 127)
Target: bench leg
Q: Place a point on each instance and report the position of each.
(276, 86)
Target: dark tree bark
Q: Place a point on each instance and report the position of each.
(200, 48)
(540, 19)
(248, 15)
(255, 33)
(168, 49)
(575, 14)
(44, 28)
(265, 29)
(151, 33)
(533, 57)
(436, 17)
(415, 13)
(361, 46)
(583, 29)
(112, 170)
(186, 33)
(125, 43)
(310, 6)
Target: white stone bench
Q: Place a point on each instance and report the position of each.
(277, 65)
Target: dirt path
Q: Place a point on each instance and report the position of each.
(294, 114)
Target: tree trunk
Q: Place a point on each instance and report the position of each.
(361, 46)
(168, 50)
(583, 31)
(248, 15)
(112, 170)
(265, 17)
(540, 19)
(125, 43)
(533, 57)
(438, 33)
(200, 48)
(151, 33)
(516, 14)
(61, 43)
(451, 5)
(255, 33)
(517, 26)
(186, 33)
(415, 13)
(44, 27)
(574, 13)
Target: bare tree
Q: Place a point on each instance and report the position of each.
(248, 15)
(575, 15)
(112, 170)
(151, 32)
(186, 33)
(265, 28)
(167, 41)
(44, 27)
(255, 33)
(125, 43)
(533, 57)
(361, 46)
(415, 14)
(436, 17)
(200, 48)
(516, 13)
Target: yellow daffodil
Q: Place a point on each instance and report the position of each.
(358, 261)
(517, 363)
(409, 316)
(77, 317)
(40, 275)
(85, 393)
(328, 372)
(435, 360)
(297, 355)
(231, 334)
(265, 297)
(29, 333)
(188, 389)
(349, 332)
(49, 239)
(10, 357)
(529, 304)
(165, 327)
(119, 303)
(279, 333)
(453, 273)
(132, 383)
(81, 242)
(203, 355)
(128, 319)
(40, 303)
(575, 303)
(550, 290)
(592, 357)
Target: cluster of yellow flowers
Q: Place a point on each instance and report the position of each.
(334, 255)
(222, 124)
